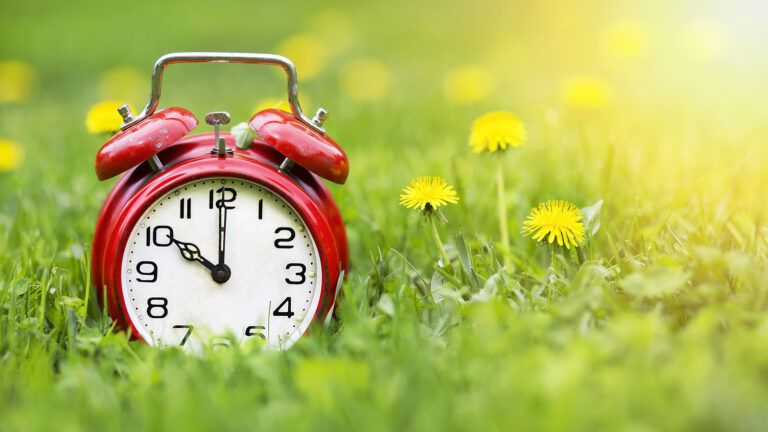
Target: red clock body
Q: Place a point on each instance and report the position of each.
(282, 239)
(192, 160)
(205, 241)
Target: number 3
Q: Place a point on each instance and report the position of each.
(301, 273)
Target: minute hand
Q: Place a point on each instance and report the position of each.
(221, 271)
(222, 228)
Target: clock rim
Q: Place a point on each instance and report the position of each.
(213, 167)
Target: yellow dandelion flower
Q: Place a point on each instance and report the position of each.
(308, 53)
(104, 118)
(626, 40)
(269, 103)
(11, 155)
(123, 83)
(365, 79)
(428, 193)
(16, 80)
(555, 221)
(585, 92)
(497, 130)
(467, 85)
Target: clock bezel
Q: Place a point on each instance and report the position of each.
(237, 167)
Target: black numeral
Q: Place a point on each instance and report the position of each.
(155, 303)
(220, 343)
(161, 235)
(257, 331)
(186, 335)
(225, 195)
(287, 313)
(284, 243)
(142, 268)
(261, 209)
(185, 208)
(301, 273)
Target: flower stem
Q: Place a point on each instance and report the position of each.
(551, 256)
(580, 255)
(503, 227)
(438, 242)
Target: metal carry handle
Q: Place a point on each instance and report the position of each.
(222, 57)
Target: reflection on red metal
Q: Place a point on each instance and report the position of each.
(142, 141)
(301, 144)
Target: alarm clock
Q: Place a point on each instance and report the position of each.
(203, 242)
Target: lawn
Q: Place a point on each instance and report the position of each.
(647, 117)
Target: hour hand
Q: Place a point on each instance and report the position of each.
(190, 252)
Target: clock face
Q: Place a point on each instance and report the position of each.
(218, 259)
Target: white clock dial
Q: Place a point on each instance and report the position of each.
(177, 290)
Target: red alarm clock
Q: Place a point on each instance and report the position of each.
(202, 242)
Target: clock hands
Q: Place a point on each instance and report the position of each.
(222, 229)
(190, 252)
(221, 272)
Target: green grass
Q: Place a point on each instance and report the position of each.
(664, 327)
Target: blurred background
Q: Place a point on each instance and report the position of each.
(649, 100)
(649, 51)
(653, 108)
